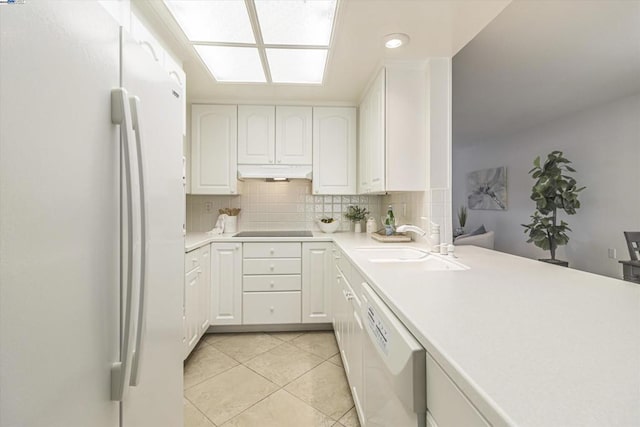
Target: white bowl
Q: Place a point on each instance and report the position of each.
(330, 227)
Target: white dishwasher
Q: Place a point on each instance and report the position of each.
(394, 368)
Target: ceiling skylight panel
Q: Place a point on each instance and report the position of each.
(296, 22)
(232, 64)
(225, 21)
(297, 65)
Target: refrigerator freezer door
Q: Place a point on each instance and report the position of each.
(59, 215)
(156, 399)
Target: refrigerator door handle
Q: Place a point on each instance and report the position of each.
(142, 298)
(121, 115)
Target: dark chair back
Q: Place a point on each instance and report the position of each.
(633, 243)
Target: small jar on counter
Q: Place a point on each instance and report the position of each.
(372, 226)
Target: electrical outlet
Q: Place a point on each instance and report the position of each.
(612, 253)
(208, 207)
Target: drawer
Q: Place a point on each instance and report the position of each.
(191, 260)
(446, 403)
(271, 308)
(272, 266)
(272, 250)
(292, 282)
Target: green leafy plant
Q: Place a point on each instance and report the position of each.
(327, 220)
(355, 213)
(554, 190)
(462, 216)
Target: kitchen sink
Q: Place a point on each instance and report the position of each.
(395, 254)
(405, 254)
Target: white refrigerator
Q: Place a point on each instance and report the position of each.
(91, 223)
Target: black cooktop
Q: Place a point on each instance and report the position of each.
(275, 233)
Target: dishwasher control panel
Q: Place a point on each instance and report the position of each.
(377, 326)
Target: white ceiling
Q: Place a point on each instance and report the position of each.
(436, 28)
(540, 60)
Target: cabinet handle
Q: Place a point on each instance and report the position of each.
(272, 251)
(272, 309)
(279, 161)
(270, 160)
(237, 247)
(232, 191)
(271, 267)
(271, 284)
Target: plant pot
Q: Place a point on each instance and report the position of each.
(329, 227)
(357, 227)
(555, 262)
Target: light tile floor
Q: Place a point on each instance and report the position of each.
(268, 380)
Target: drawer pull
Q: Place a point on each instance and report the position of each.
(237, 247)
(272, 309)
(272, 267)
(272, 251)
(271, 284)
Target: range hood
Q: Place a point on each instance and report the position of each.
(277, 172)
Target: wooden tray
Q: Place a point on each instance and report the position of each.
(394, 238)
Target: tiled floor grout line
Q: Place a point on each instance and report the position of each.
(203, 414)
(332, 421)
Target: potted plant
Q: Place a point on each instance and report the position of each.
(553, 190)
(462, 220)
(357, 215)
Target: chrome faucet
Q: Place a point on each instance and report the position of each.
(409, 227)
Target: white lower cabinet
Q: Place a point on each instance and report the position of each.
(348, 326)
(226, 283)
(271, 283)
(446, 404)
(317, 275)
(190, 320)
(271, 308)
(196, 297)
(204, 291)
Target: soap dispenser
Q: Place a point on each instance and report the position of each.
(389, 222)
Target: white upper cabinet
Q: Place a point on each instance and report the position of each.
(334, 150)
(256, 134)
(274, 135)
(393, 131)
(214, 145)
(293, 135)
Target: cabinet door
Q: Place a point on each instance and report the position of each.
(226, 284)
(316, 282)
(214, 149)
(192, 284)
(334, 150)
(363, 146)
(293, 135)
(355, 354)
(376, 135)
(204, 292)
(256, 134)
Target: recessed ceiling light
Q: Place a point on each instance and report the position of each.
(392, 41)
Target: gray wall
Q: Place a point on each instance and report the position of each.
(604, 144)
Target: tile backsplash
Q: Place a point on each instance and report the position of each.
(276, 206)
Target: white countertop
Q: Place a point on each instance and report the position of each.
(195, 240)
(529, 343)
